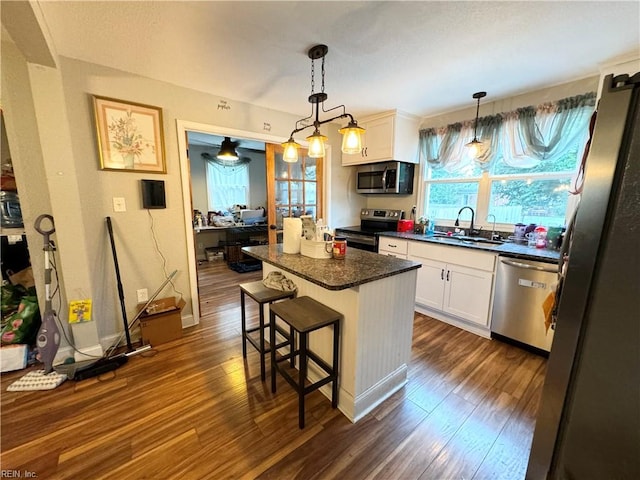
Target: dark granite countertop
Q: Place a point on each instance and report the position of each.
(357, 268)
(506, 249)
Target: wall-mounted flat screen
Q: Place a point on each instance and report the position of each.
(153, 194)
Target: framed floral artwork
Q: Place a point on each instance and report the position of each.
(130, 136)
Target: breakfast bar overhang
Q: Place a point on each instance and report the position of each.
(376, 295)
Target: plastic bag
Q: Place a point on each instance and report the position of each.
(22, 326)
(11, 295)
(278, 281)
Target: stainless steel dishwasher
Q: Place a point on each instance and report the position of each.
(521, 288)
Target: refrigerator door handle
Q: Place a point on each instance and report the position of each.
(564, 249)
(511, 263)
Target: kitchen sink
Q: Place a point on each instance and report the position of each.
(478, 240)
(466, 238)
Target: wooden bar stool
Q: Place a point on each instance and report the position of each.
(262, 295)
(304, 315)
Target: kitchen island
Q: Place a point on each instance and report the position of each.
(376, 296)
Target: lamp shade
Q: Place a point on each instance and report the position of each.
(290, 154)
(351, 138)
(474, 147)
(227, 150)
(316, 144)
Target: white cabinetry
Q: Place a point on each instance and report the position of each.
(389, 136)
(454, 284)
(393, 247)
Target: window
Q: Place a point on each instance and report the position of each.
(523, 178)
(446, 192)
(514, 195)
(227, 186)
(536, 195)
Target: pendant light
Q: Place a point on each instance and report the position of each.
(351, 138)
(352, 133)
(290, 154)
(227, 150)
(475, 144)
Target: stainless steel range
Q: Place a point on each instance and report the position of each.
(372, 222)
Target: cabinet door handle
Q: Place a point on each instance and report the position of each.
(448, 272)
(442, 274)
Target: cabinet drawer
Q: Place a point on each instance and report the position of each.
(394, 245)
(392, 254)
(457, 255)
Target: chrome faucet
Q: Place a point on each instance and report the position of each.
(457, 224)
(493, 230)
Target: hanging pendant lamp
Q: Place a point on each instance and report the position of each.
(227, 150)
(475, 144)
(352, 133)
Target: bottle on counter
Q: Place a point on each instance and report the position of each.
(540, 235)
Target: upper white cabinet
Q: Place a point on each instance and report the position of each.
(389, 135)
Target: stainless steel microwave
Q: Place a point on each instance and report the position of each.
(385, 177)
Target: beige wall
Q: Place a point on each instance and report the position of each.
(49, 115)
(488, 106)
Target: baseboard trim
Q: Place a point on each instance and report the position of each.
(378, 393)
(367, 401)
(88, 353)
(478, 330)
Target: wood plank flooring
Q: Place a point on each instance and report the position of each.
(194, 409)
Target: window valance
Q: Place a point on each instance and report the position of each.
(522, 138)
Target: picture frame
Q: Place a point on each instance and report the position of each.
(130, 136)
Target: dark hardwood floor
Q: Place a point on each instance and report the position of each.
(194, 409)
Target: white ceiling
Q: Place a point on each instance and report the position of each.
(424, 57)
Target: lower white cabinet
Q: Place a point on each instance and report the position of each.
(455, 281)
(393, 247)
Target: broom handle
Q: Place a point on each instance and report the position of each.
(120, 289)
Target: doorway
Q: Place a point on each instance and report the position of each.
(183, 128)
(293, 189)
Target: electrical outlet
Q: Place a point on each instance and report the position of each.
(143, 295)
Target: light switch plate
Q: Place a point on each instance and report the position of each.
(142, 295)
(119, 204)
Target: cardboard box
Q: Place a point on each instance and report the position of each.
(13, 357)
(162, 321)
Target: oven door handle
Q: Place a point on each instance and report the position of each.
(364, 239)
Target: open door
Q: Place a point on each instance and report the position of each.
(293, 189)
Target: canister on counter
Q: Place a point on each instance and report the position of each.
(339, 247)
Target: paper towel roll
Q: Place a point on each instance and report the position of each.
(292, 232)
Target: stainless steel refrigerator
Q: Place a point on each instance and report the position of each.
(588, 423)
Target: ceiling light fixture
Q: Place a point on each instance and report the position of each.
(475, 144)
(352, 133)
(228, 150)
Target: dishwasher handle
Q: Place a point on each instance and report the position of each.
(528, 266)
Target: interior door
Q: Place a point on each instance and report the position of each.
(293, 189)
